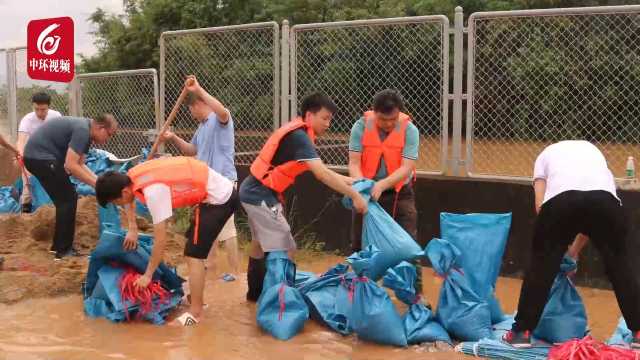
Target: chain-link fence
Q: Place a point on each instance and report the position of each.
(239, 65)
(132, 97)
(26, 87)
(351, 61)
(537, 77)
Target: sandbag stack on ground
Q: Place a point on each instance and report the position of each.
(373, 316)
(328, 298)
(108, 264)
(461, 311)
(419, 322)
(282, 310)
(482, 239)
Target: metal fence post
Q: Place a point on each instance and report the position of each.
(284, 82)
(12, 101)
(458, 58)
(74, 88)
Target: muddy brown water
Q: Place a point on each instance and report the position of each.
(56, 328)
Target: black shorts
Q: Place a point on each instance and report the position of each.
(207, 221)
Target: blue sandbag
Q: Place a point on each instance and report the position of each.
(282, 310)
(303, 277)
(373, 316)
(8, 203)
(564, 316)
(421, 326)
(482, 239)
(328, 298)
(380, 230)
(101, 289)
(39, 196)
(401, 279)
(419, 323)
(622, 335)
(109, 217)
(460, 310)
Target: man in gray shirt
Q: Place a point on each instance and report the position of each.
(54, 152)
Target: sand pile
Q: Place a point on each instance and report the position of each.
(29, 270)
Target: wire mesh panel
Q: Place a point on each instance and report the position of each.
(26, 87)
(351, 61)
(239, 65)
(537, 77)
(132, 97)
(4, 93)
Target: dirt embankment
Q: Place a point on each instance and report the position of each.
(29, 270)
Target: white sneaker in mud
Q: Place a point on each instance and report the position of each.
(186, 319)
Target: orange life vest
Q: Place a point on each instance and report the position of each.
(186, 176)
(279, 178)
(390, 149)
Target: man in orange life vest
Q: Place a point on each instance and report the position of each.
(289, 152)
(384, 147)
(164, 185)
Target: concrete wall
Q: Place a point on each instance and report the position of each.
(317, 208)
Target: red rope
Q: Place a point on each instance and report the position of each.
(142, 297)
(281, 300)
(589, 349)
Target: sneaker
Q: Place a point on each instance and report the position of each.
(518, 339)
(635, 342)
(26, 208)
(69, 253)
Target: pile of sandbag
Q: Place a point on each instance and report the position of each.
(107, 288)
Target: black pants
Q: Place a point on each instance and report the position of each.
(55, 181)
(405, 215)
(210, 220)
(597, 214)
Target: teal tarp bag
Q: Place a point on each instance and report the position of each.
(282, 310)
(109, 217)
(564, 316)
(460, 310)
(328, 298)
(380, 230)
(401, 279)
(482, 239)
(622, 335)
(419, 323)
(101, 287)
(8, 203)
(373, 316)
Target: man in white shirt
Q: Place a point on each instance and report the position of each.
(575, 194)
(28, 125)
(164, 185)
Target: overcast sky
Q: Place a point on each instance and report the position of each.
(16, 14)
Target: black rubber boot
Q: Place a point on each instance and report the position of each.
(256, 271)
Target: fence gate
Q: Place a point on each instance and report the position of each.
(132, 97)
(540, 76)
(240, 65)
(352, 60)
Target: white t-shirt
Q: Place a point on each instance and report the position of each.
(30, 122)
(573, 165)
(158, 196)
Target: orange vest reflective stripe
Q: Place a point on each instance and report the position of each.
(390, 149)
(186, 176)
(279, 178)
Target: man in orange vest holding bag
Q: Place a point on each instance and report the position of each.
(289, 152)
(384, 147)
(164, 185)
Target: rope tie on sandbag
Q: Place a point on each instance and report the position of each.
(130, 294)
(281, 301)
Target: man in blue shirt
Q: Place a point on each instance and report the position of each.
(213, 143)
